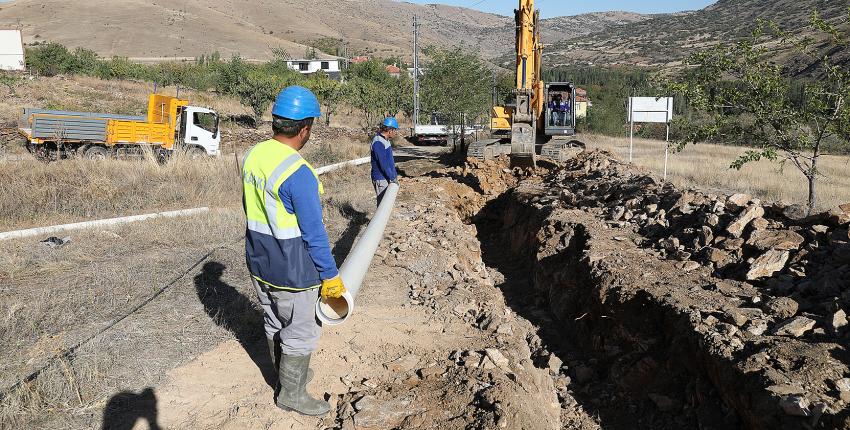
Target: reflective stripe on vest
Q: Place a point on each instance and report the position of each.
(266, 168)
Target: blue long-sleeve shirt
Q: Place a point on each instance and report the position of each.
(300, 196)
(383, 164)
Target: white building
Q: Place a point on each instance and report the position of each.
(330, 66)
(12, 51)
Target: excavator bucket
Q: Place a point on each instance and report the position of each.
(523, 139)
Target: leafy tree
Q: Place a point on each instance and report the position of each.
(458, 85)
(119, 68)
(257, 91)
(231, 75)
(48, 59)
(82, 61)
(329, 92)
(743, 97)
(374, 93)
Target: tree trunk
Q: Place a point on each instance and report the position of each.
(463, 135)
(812, 177)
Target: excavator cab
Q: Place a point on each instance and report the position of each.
(560, 109)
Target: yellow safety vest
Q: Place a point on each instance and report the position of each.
(284, 262)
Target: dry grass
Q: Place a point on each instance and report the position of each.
(706, 166)
(52, 298)
(96, 95)
(33, 193)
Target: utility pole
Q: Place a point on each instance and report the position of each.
(415, 71)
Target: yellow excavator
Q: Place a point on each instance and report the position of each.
(542, 113)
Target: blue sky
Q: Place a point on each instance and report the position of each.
(550, 8)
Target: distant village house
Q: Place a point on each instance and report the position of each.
(582, 103)
(331, 67)
(12, 51)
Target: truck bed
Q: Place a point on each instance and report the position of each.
(49, 127)
(30, 112)
(55, 125)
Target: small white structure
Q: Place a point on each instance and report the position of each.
(12, 51)
(308, 67)
(654, 110)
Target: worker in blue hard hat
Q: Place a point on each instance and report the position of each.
(286, 246)
(383, 163)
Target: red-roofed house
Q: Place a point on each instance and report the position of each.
(394, 71)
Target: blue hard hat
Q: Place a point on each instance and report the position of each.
(296, 103)
(390, 122)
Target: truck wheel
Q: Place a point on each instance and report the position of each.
(196, 153)
(96, 153)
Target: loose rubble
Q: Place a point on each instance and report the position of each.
(747, 290)
(605, 296)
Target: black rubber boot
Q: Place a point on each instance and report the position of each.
(293, 382)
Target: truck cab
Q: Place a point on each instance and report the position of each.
(199, 131)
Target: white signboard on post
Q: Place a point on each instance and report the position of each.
(11, 51)
(650, 110)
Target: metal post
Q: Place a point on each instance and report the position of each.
(415, 71)
(631, 129)
(666, 151)
(495, 90)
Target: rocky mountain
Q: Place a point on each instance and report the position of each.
(253, 28)
(668, 39)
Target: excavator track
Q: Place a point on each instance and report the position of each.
(556, 150)
(487, 149)
(561, 150)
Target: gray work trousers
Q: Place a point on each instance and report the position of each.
(380, 188)
(290, 317)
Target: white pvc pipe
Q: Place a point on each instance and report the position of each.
(98, 223)
(353, 270)
(123, 220)
(338, 166)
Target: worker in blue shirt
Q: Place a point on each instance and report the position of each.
(566, 116)
(553, 108)
(383, 164)
(286, 246)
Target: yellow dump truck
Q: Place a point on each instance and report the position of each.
(170, 124)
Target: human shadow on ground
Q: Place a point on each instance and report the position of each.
(231, 309)
(343, 245)
(124, 409)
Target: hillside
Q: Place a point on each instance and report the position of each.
(667, 39)
(251, 28)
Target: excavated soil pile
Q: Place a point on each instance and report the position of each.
(484, 371)
(719, 311)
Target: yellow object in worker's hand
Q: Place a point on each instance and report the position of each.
(332, 288)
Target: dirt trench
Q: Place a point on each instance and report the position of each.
(609, 371)
(644, 342)
(631, 363)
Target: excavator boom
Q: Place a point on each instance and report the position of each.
(529, 85)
